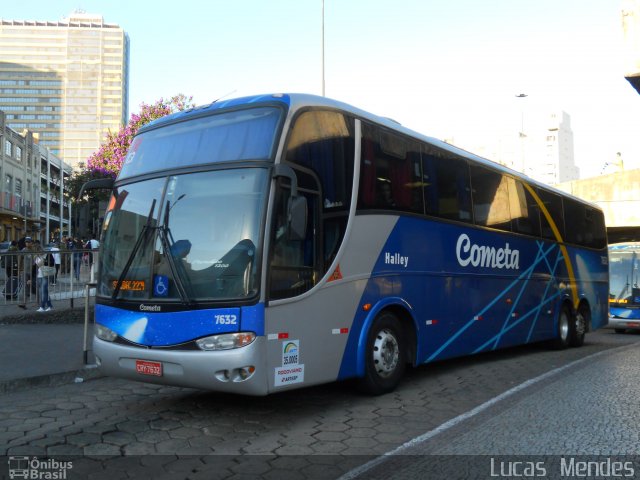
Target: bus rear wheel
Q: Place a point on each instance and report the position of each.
(385, 355)
(580, 322)
(565, 327)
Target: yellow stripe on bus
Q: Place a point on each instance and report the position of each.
(556, 234)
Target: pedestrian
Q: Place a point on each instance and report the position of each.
(92, 245)
(55, 251)
(76, 246)
(10, 260)
(28, 265)
(45, 264)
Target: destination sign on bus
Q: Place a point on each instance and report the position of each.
(130, 285)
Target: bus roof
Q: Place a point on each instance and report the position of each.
(296, 101)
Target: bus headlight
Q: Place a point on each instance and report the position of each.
(226, 341)
(104, 333)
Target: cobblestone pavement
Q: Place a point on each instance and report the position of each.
(112, 428)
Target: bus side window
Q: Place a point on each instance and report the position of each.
(390, 171)
(525, 215)
(553, 205)
(490, 194)
(445, 180)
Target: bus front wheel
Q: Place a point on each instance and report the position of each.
(385, 355)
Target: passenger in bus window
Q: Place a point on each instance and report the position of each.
(386, 195)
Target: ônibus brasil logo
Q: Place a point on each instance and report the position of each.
(34, 468)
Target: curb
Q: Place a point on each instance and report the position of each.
(89, 372)
(57, 316)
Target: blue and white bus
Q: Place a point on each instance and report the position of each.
(624, 291)
(274, 242)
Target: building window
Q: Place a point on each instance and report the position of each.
(7, 148)
(18, 187)
(18, 153)
(9, 184)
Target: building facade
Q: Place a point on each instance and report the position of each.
(556, 162)
(66, 81)
(32, 199)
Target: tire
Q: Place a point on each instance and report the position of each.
(620, 330)
(579, 325)
(385, 355)
(565, 326)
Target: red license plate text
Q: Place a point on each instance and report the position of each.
(145, 367)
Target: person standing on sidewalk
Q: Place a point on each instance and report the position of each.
(46, 266)
(55, 251)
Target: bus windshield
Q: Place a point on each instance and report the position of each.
(246, 134)
(623, 274)
(188, 238)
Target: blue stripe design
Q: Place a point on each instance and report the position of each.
(171, 328)
(527, 272)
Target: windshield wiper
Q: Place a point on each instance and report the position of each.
(166, 239)
(141, 237)
(631, 283)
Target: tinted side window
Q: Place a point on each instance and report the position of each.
(323, 142)
(585, 224)
(553, 204)
(390, 171)
(490, 194)
(525, 214)
(445, 180)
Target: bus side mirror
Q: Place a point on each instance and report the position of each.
(297, 218)
(296, 206)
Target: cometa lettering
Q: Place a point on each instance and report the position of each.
(484, 256)
(150, 308)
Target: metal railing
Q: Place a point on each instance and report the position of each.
(18, 274)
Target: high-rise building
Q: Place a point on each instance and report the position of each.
(556, 162)
(66, 81)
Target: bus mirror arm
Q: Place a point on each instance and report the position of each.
(98, 183)
(282, 170)
(296, 206)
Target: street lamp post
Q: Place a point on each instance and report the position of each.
(521, 134)
(322, 48)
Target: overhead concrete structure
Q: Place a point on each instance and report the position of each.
(617, 194)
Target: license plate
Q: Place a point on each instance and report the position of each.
(145, 367)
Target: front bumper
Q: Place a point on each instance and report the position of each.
(624, 323)
(217, 371)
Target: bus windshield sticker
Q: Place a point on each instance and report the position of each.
(160, 286)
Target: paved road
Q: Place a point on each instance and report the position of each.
(119, 429)
(588, 410)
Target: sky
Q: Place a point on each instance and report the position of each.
(450, 69)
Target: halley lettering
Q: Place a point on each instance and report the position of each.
(484, 256)
(396, 259)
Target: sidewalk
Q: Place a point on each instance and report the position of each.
(43, 349)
